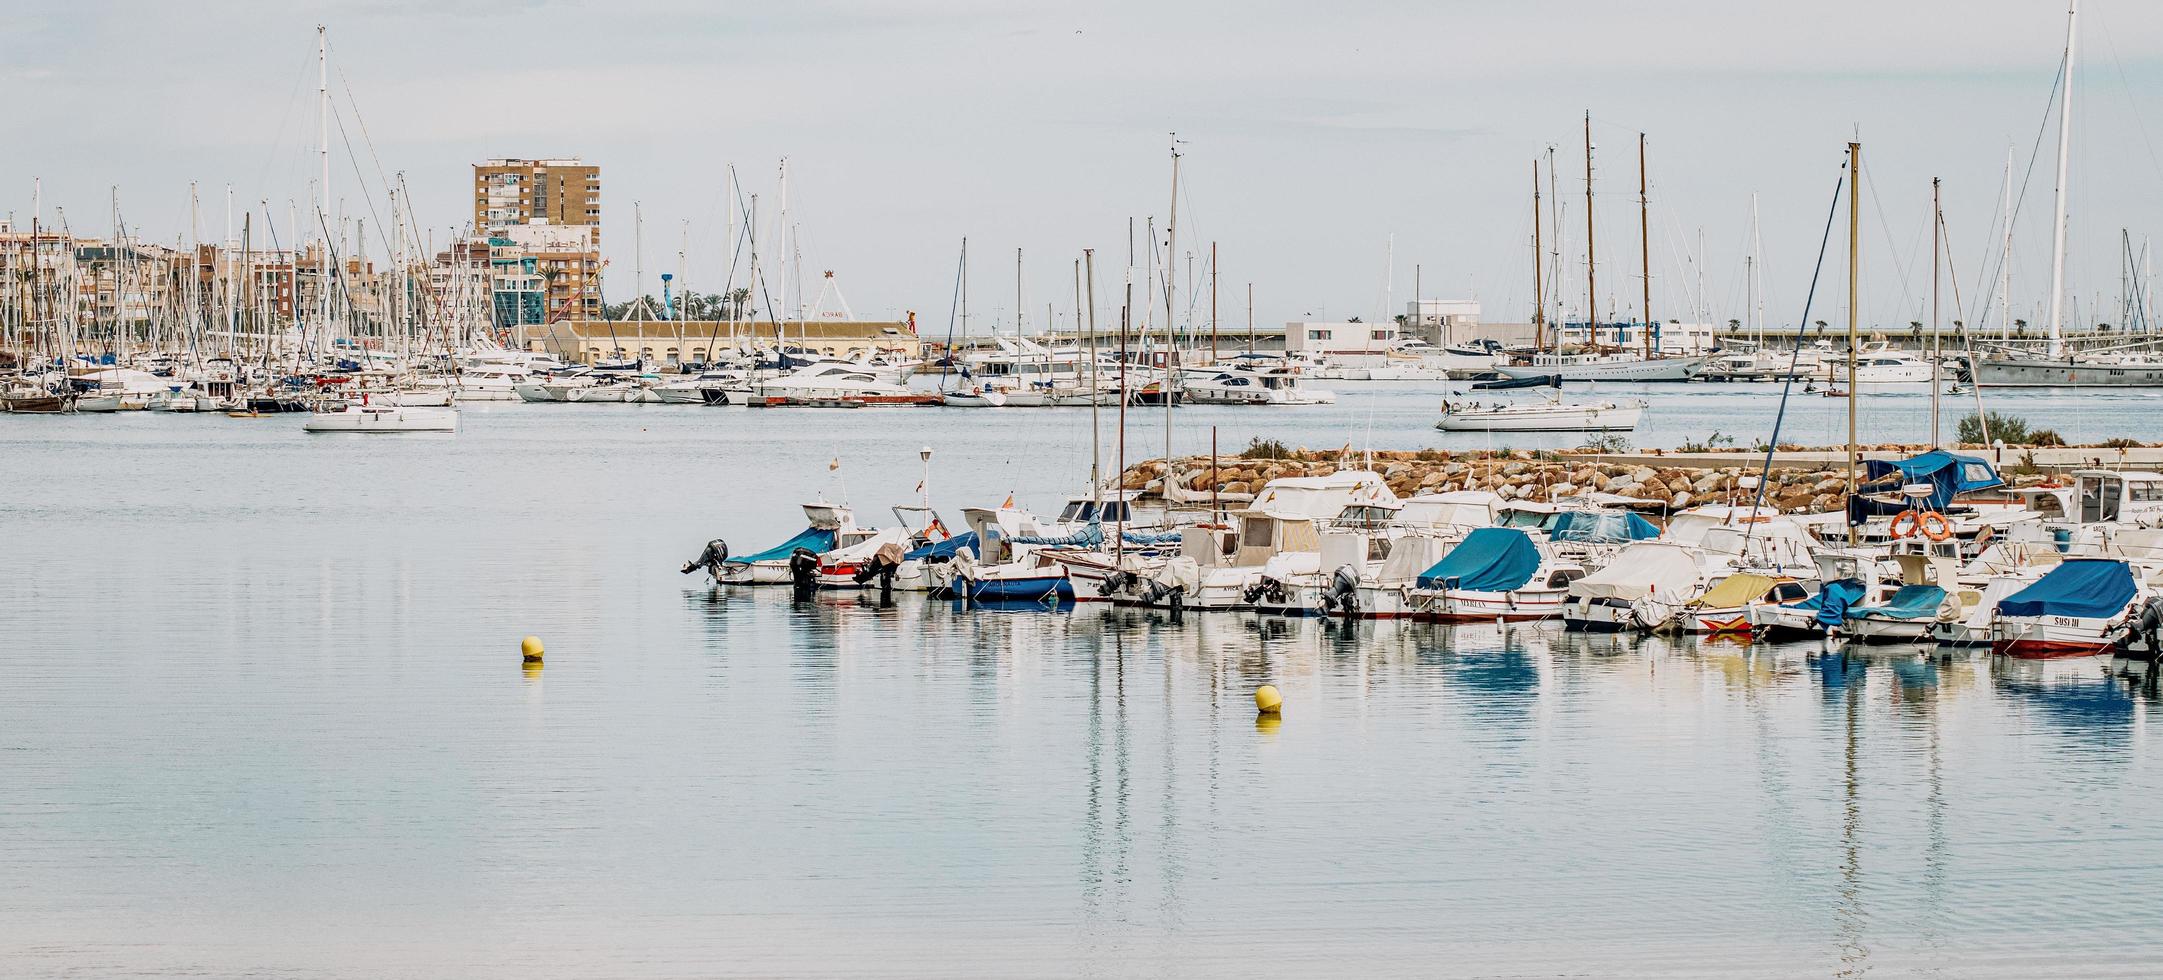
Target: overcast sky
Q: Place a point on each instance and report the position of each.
(1312, 134)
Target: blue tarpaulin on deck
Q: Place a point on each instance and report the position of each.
(2085, 588)
(1948, 473)
(944, 549)
(1911, 602)
(818, 541)
(1832, 601)
(1602, 527)
(1491, 559)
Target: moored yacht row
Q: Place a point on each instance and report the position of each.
(1919, 559)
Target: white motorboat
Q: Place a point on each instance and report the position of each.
(1552, 415)
(1606, 367)
(1879, 364)
(1250, 383)
(384, 418)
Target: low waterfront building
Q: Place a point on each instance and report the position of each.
(674, 342)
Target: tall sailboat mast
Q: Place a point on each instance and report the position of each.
(1592, 291)
(1937, 248)
(1539, 272)
(1855, 217)
(322, 98)
(1644, 243)
(2057, 227)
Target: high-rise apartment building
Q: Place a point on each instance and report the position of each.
(541, 220)
(534, 192)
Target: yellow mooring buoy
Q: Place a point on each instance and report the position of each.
(531, 648)
(1267, 700)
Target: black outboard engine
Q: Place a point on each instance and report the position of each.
(1343, 592)
(803, 572)
(2143, 636)
(1119, 583)
(716, 553)
(1265, 589)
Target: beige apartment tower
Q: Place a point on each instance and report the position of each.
(527, 192)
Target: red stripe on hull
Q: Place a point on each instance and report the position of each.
(2046, 649)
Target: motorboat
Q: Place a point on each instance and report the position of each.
(384, 418)
(1618, 366)
(2075, 610)
(1641, 587)
(1879, 364)
(1724, 607)
(1251, 384)
(828, 526)
(1495, 573)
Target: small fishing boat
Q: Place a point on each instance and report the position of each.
(1725, 606)
(1494, 573)
(2074, 610)
(829, 525)
(1642, 586)
(384, 418)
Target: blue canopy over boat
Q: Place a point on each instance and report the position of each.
(1910, 602)
(817, 540)
(944, 549)
(2084, 588)
(1832, 600)
(1491, 559)
(1602, 527)
(1146, 538)
(1948, 473)
(1088, 537)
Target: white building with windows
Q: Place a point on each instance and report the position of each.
(1338, 338)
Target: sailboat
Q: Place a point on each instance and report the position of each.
(2125, 366)
(1613, 364)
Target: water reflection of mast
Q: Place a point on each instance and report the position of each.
(1854, 955)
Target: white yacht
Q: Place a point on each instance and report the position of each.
(1619, 366)
(1551, 415)
(384, 418)
(1879, 364)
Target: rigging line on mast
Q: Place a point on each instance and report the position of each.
(361, 178)
(1885, 225)
(366, 140)
(2027, 177)
(277, 139)
(1787, 387)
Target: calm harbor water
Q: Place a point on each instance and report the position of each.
(261, 713)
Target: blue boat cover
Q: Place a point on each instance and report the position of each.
(1602, 527)
(2085, 588)
(1491, 559)
(1088, 537)
(1832, 601)
(818, 541)
(944, 549)
(1949, 473)
(1910, 602)
(1146, 538)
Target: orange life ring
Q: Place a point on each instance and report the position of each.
(1934, 526)
(1906, 523)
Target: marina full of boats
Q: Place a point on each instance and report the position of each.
(1931, 551)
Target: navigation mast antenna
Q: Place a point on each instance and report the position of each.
(2057, 227)
(1592, 291)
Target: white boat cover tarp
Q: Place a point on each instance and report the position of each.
(1642, 569)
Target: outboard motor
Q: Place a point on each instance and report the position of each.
(882, 566)
(1119, 583)
(716, 553)
(2143, 636)
(1343, 592)
(1265, 589)
(803, 572)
